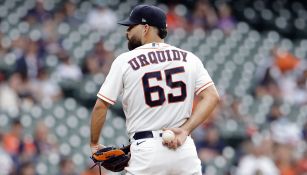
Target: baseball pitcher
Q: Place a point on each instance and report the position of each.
(157, 82)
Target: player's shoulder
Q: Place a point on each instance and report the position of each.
(122, 57)
(126, 55)
(190, 55)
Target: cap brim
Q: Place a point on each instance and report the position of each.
(126, 22)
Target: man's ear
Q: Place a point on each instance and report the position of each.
(145, 29)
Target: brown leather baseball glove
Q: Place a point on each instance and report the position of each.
(112, 158)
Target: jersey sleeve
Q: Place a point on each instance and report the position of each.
(203, 79)
(113, 84)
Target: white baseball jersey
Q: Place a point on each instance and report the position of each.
(157, 82)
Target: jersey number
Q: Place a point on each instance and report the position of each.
(148, 90)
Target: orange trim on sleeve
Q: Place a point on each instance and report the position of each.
(105, 98)
(203, 87)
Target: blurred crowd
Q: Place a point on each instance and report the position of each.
(204, 15)
(21, 155)
(283, 76)
(277, 145)
(31, 81)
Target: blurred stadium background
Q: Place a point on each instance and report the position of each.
(55, 54)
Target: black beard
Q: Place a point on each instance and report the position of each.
(134, 43)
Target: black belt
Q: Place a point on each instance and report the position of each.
(144, 135)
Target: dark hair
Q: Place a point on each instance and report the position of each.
(162, 33)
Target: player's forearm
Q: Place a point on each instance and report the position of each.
(98, 119)
(209, 100)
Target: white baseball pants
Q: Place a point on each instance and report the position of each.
(150, 157)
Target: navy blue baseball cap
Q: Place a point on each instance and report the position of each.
(146, 14)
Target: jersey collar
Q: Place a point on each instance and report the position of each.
(153, 45)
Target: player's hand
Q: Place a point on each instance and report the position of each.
(180, 137)
(96, 147)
